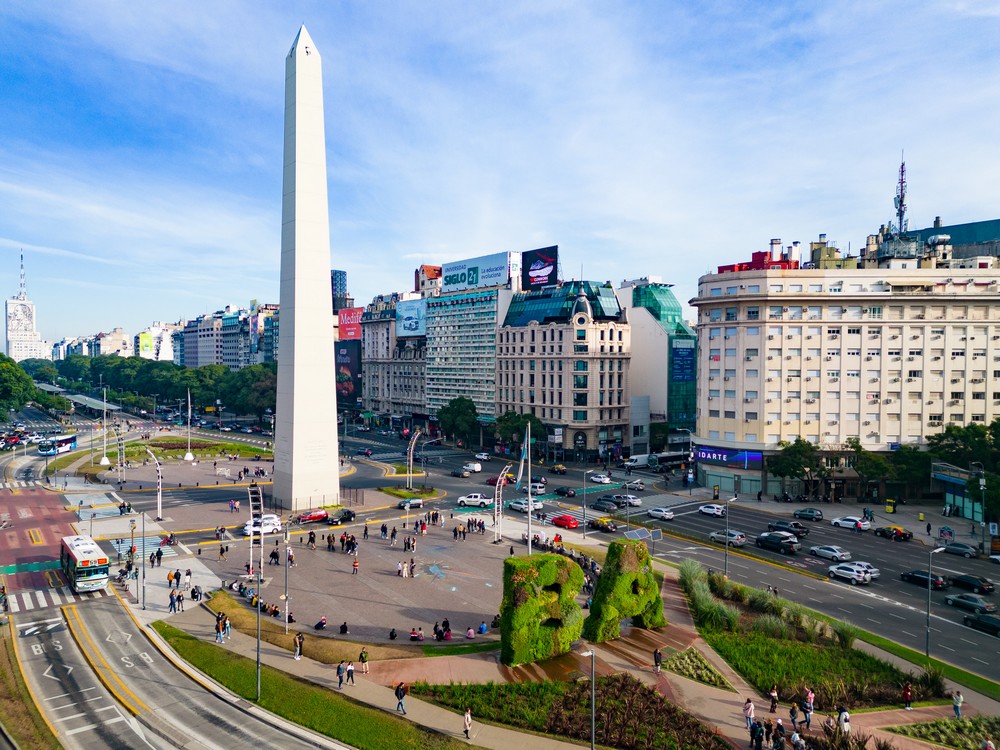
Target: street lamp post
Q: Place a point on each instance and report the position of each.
(930, 570)
(285, 597)
(131, 544)
(105, 461)
(145, 560)
(159, 486)
(725, 565)
(583, 499)
(593, 696)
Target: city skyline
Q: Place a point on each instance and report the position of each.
(139, 152)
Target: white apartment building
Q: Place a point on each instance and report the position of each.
(888, 355)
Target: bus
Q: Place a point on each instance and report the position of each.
(84, 564)
(61, 444)
(667, 462)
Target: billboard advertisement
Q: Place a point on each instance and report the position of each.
(350, 323)
(730, 457)
(411, 318)
(539, 268)
(347, 356)
(475, 273)
(146, 345)
(682, 362)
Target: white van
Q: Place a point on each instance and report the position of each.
(473, 467)
(535, 488)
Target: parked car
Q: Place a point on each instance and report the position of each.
(566, 491)
(972, 602)
(986, 623)
(779, 541)
(630, 500)
(565, 522)
(607, 506)
(634, 485)
(849, 573)
(851, 522)
(344, 515)
(961, 548)
(475, 498)
(602, 524)
(896, 533)
(830, 552)
(483, 456)
(600, 478)
(713, 510)
(792, 527)
(975, 584)
(460, 473)
(919, 577)
(413, 502)
(521, 506)
(732, 537)
(557, 469)
(664, 514)
(312, 516)
(870, 569)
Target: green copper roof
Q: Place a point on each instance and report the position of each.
(555, 304)
(663, 305)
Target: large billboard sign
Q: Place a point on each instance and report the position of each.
(476, 273)
(682, 362)
(411, 318)
(349, 321)
(347, 356)
(539, 268)
(729, 457)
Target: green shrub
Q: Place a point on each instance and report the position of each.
(690, 571)
(627, 588)
(759, 600)
(771, 626)
(845, 633)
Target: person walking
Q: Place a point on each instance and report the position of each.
(774, 698)
(187, 579)
(355, 565)
(177, 578)
(843, 720)
(467, 722)
(227, 627)
(180, 601)
(350, 673)
(297, 642)
(363, 658)
(793, 716)
(173, 602)
(928, 529)
(341, 671)
(219, 630)
(159, 556)
(956, 703)
(907, 696)
(657, 659)
(748, 714)
(400, 697)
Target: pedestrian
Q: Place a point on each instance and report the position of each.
(843, 720)
(187, 579)
(758, 736)
(159, 557)
(748, 714)
(170, 579)
(228, 626)
(180, 601)
(399, 567)
(406, 570)
(222, 552)
(173, 602)
(760, 496)
(363, 658)
(774, 698)
(364, 533)
(400, 697)
(793, 716)
(956, 703)
(511, 552)
(907, 696)
(152, 559)
(355, 565)
(350, 673)
(177, 578)
(928, 529)
(341, 671)
(219, 630)
(297, 642)
(657, 659)
(467, 722)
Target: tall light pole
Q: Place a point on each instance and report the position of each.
(145, 560)
(189, 457)
(105, 461)
(154, 406)
(583, 499)
(159, 486)
(725, 565)
(593, 696)
(930, 576)
(131, 546)
(982, 491)
(285, 597)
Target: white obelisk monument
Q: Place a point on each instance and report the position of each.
(306, 456)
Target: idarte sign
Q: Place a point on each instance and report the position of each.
(476, 273)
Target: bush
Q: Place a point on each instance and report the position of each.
(845, 633)
(690, 571)
(771, 626)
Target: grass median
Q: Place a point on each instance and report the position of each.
(21, 719)
(313, 707)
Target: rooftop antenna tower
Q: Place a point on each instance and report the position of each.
(22, 291)
(901, 198)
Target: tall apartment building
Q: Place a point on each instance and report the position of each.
(563, 354)
(393, 359)
(156, 342)
(886, 354)
(115, 341)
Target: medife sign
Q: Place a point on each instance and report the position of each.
(476, 273)
(349, 321)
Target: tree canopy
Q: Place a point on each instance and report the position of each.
(459, 417)
(798, 460)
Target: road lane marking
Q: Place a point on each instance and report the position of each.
(907, 634)
(67, 695)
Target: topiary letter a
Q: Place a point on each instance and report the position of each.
(539, 616)
(627, 588)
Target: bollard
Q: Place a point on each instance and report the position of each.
(197, 484)
(199, 550)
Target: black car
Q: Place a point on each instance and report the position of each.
(344, 516)
(608, 506)
(566, 491)
(792, 527)
(779, 542)
(987, 623)
(975, 584)
(919, 577)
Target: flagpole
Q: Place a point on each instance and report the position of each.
(525, 453)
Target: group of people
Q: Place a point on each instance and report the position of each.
(223, 628)
(406, 570)
(774, 734)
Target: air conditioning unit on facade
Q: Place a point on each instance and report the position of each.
(770, 337)
(810, 401)
(748, 358)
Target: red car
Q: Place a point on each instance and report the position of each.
(312, 516)
(494, 480)
(566, 522)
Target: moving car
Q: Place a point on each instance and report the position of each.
(975, 584)
(972, 602)
(870, 569)
(565, 522)
(482, 456)
(961, 548)
(830, 552)
(664, 514)
(475, 498)
(266, 524)
(792, 527)
(494, 480)
(608, 506)
(521, 506)
(345, 515)
(851, 522)
(919, 577)
(894, 532)
(566, 491)
(600, 478)
(809, 514)
(713, 510)
(312, 516)
(986, 623)
(849, 573)
(413, 502)
(460, 473)
(602, 524)
(557, 469)
(473, 466)
(631, 500)
(779, 541)
(735, 538)
(634, 485)
(535, 488)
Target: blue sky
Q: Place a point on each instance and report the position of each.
(140, 143)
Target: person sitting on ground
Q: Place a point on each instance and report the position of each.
(482, 628)
(344, 630)
(291, 617)
(321, 625)
(420, 634)
(392, 634)
(447, 634)
(470, 633)
(496, 622)
(414, 635)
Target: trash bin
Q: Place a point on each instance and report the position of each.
(921, 516)
(890, 505)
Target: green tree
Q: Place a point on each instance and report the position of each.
(868, 466)
(459, 417)
(962, 446)
(16, 387)
(253, 390)
(911, 466)
(799, 460)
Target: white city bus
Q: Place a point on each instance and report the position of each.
(84, 564)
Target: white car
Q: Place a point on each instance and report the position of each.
(267, 524)
(867, 567)
(663, 514)
(849, 573)
(600, 478)
(831, 552)
(482, 456)
(522, 505)
(851, 522)
(713, 510)
(475, 498)
(631, 500)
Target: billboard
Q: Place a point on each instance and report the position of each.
(411, 318)
(347, 356)
(730, 457)
(682, 362)
(539, 268)
(350, 323)
(146, 345)
(476, 273)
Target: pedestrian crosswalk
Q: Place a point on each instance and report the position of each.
(21, 485)
(27, 601)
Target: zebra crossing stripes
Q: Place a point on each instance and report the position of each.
(20, 485)
(27, 601)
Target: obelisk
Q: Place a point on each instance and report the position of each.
(306, 455)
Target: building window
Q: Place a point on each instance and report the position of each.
(580, 365)
(753, 313)
(579, 381)
(581, 334)
(579, 399)
(730, 313)
(579, 415)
